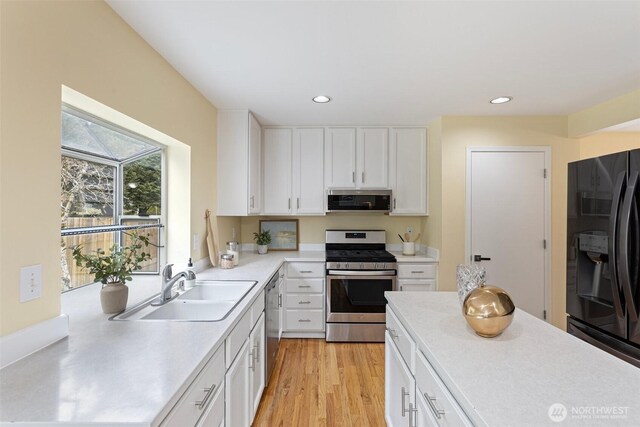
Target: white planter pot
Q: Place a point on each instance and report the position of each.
(262, 249)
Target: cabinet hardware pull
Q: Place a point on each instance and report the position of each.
(304, 302)
(363, 177)
(392, 333)
(256, 356)
(251, 366)
(201, 404)
(432, 404)
(279, 300)
(252, 201)
(404, 394)
(413, 415)
(306, 271)
(417, 272)
(304, 320)
(298, 202)
(394, 203)
(304, 286)
(289, 203)
(353, 176)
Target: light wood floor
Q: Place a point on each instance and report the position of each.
(315, 383)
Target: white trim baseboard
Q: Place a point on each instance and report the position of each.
(24, 342)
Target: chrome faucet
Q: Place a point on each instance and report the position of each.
(168, 281)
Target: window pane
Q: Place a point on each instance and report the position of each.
(152, 265)
(87, 190)
(73, 276)
(142, 186)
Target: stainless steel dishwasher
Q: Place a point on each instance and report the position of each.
(273, 305)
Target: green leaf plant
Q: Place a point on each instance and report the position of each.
(117, 265)
(262, 238)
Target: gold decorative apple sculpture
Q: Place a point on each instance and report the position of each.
(488, 310)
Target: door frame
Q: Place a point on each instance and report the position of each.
(546, 150)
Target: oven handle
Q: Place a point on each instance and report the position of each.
(361, 273)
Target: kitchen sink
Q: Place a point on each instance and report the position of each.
(207, 301)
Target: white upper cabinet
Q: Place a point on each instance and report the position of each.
(238, 177)
(408, 171)
(293, 171)
(340, 157)
(308, 172)
(372, 158)
(357, 157)
(277, 178)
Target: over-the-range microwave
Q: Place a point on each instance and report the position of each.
(351, 200)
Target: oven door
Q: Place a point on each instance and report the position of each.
(358, 296)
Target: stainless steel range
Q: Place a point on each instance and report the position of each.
(359, 271)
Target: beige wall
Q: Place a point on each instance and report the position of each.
(615, 111)
(458, 133)
(87, 47)
(432, 225)
(311, 229)
(607, 143)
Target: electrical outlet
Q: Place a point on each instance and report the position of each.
(410, 230)
(233, 234)
(30, 282)
(196, 240)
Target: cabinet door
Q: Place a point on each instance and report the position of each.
(256, 365)
(373, 158)
(255, 167)
(340, 157)
(236, 390)
(399, 386)
(277, 149)
(424, 415)
(214, 412)
(308, 172)
(408, 171)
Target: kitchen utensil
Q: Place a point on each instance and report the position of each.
(417, 237)
(400, 237)
(488, 310)
(407, 237)
(211, 240)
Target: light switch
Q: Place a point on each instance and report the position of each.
(30, 282)
(196, 241)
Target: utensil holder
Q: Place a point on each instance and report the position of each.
(408, 248)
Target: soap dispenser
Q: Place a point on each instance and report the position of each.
(190, 283)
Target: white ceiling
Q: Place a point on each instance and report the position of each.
(393, 62)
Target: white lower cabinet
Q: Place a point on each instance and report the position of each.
(237, 390)
(214, 415)
(399, 387)
(304, 299)
(256, 365)
(417, 276)
(415, 395)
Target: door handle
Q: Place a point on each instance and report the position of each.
(613, 244)
(478, 258)
(625, 225)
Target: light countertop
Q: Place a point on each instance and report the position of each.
(513, 379)
(124, 371)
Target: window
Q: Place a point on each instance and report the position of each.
(111, 182)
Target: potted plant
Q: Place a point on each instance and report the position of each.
(262, 240)
(113, 269)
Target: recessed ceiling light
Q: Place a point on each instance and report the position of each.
(501, 100)
(321, 99)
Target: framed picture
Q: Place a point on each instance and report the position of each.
(284, 234)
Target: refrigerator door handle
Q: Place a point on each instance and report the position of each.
(613, 244)
(625, 223)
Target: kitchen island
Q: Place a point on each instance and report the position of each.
(532, 374)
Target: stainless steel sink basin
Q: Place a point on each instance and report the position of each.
(207, 301)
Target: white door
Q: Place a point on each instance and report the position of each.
(507, 200)
(373, 158)
(277, 149)
(340, 157)
(308, 174)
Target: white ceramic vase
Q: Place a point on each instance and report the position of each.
(113, 297)
(262, 249)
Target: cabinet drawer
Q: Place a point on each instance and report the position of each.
(299, 286)
(257, 308)
(305, 320)
(237, 337)
(305, 269)
(401, 338)
(417, 284)
(305, 301)
(202, 390)
(416, 271)
(214, 414)
(443, 405)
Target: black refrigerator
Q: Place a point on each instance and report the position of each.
(603, 253)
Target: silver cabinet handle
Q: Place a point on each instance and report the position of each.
(304, 302)
(413, 415)
(252, 201)
(304, 286)
(304, 320)
(353, 176)
(432, 404)
(209, 391)
(306, 271)
(417, 272)
(298, 202)
(251, 359)
(392, 333)
(404, 395)
(394, 203)
(279, 300)
(363, 177)
(289, 203)
(256, 356)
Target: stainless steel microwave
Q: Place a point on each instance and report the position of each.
(350, 200)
